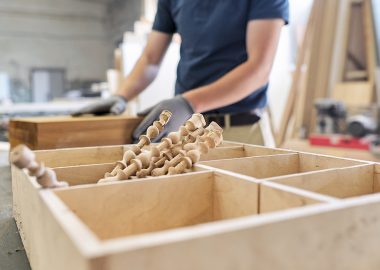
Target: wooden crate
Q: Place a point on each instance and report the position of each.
(242, 207)
(64, 131)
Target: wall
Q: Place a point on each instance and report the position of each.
(70, 34)
(54, 33)
(122, 15)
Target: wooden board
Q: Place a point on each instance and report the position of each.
(62, 132)
(303, 145)
(246, 207)
(354, 93)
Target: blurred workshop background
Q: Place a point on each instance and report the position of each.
(58, 55)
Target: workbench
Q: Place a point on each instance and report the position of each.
(12, 253)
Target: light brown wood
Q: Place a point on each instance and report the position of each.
(354, 93)
(80, 156)
(211, 218)
(40, 227)
(303, 145)
(282, 164)
(314, 162)
(276, 198)
(234, 196)
(62, 132)
(339, 183)
(83, 174)
(259, 167)
(257, 150)
(376, 179)
(131, 208)
(285, 241)
(320, 80)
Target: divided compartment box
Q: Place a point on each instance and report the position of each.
(65, 131)
(226, 213)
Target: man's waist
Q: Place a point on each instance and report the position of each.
(235, 119)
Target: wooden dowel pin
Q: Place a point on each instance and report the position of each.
(22, 157)
(152, 132)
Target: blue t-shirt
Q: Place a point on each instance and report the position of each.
(213, 34)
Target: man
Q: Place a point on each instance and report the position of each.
(227, 52)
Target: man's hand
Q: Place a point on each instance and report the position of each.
(114, 105)
(179, 107)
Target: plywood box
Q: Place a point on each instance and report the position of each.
(61, 132)
(242, 207)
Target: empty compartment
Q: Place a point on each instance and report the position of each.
(283, 164)
(137, 207)
(241, 151)
(340, 183)
(276, 197)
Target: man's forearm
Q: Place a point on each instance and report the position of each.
(146, 68)
(234, 86)
(140, 77)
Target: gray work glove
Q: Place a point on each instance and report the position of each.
(112, 105)
(179, 107)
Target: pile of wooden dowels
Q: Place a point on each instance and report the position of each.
(175, 154)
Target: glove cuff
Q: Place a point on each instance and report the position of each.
(186, 103)
(122, 97)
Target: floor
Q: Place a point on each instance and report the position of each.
(12, 253)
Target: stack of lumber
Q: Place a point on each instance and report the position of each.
(336, 60)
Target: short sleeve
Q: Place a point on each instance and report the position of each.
(269, 9)
(164, 22)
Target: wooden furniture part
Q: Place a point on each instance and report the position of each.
(304, 145)
(61, 132)
(242, 207)
(337, 60)
(356, 84)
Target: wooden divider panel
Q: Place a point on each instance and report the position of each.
(84, 174)
(274, 197)
(376, 179)
(259, 167)
(257, 150)
(241, 151)
(314, 162)
(341, 183)
(80, 156)
(234, 196)
(224, 153)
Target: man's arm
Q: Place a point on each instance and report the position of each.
(146, 68)
(143, 73)
(262, 40)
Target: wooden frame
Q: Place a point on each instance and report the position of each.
(242, 207)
